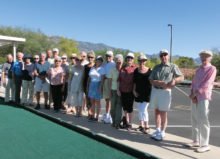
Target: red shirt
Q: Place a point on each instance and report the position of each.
(125, 78)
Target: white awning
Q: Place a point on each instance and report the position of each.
(8, 40)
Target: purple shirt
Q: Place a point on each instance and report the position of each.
(203, 82)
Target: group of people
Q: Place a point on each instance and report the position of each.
(87, 79)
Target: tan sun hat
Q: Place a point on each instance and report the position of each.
(73, 55)
(142, 56)
(207, 52)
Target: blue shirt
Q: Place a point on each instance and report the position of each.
(17, 68)
(42, 69)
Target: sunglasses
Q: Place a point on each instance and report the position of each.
(83, 56)
(90, 57)
(142, 60)
(57, 61)
(36, 58)
(163, 55)
(79, 60)
(129, 57)
(107, 56)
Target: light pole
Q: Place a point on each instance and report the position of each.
(171, 40)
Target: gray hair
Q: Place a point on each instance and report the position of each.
(83, 52)
(43, 54)
(20, 54)
(119, 56)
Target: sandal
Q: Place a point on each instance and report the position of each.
(146, 130)
(140, 128)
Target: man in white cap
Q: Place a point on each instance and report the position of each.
(107, 66)
(55, 52)
(163, 79)
(201, 91)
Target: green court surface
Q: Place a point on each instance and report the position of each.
(24, 135)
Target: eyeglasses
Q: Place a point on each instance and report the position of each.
(83, 56)
(161, 55)
(90, 57)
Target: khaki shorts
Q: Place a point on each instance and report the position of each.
(105, 90)
(160, 99)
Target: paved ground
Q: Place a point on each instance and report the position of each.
(178, 132)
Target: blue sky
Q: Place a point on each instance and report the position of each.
(138, 25)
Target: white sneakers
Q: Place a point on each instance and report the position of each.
(203, 149)
(195, 144)
(158, 135)
(103, 117)
(108, 119)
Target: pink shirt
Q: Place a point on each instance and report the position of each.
(56, 76)
(203, 82)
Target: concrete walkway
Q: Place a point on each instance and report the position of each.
(171, 147)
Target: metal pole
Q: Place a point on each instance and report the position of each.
(171, 41)
(14, 51)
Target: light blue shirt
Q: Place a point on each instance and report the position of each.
(107, 66)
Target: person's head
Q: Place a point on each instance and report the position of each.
(79, 60)
(64, 58)
(49, 53)
(142, 59)
(36, 58)
(9, 58)
(98, 61)
(42, 56)
(206, 57)
(27, 59)
(58, 61)
(83, 54)
(119, 60)
(109, 56)
(130, 58)
(164, 56)
(55, 52)
(73, 58)
(20, 56)
(91, 56)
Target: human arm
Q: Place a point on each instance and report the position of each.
(87, 85)
(109, 87)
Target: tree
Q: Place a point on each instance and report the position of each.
(216, 62)
(185, 62)
(67, 46)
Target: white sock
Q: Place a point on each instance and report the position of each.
(158, 129)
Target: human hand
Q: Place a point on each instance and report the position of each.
(135, 94)
(118, 93)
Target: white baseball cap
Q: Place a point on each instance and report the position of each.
(164, 51)
(130, 54)
(207, 52)
(55, 50)
(109, 53)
